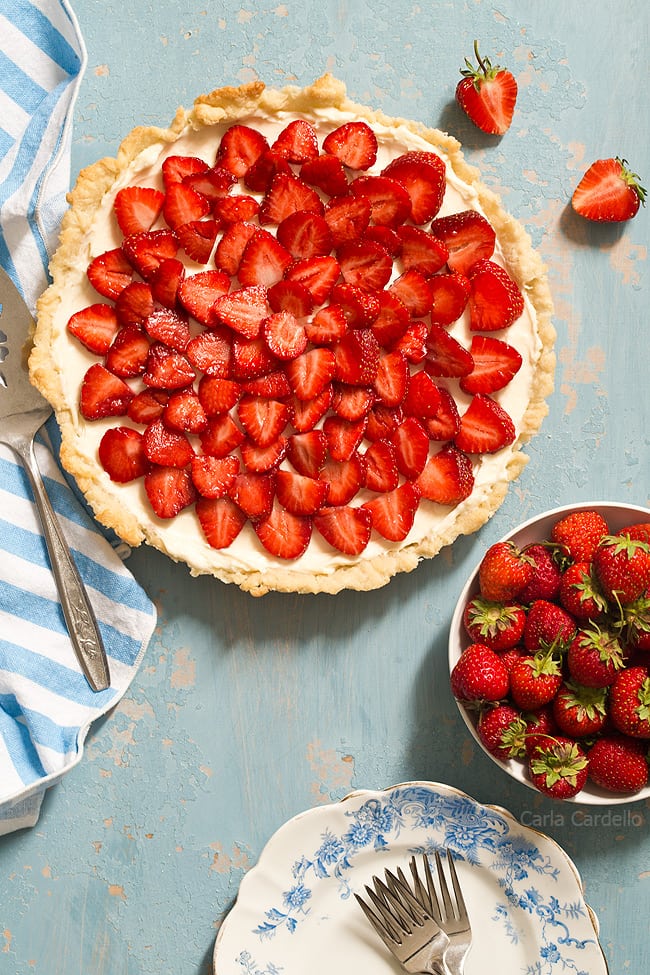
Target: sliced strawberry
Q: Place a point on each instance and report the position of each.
(352, 402)
(165, 447)
(346, 528)
(168, 327)
(450, 296)
(421, 251)
(354, 143)
(221, 521)
(273, 385)
(183, 205)
(392, 378)
(344, 478)
(365, 264)
(121, 454)
(211, 183)
(487, 94)
(413, 343)
(165, 282)
(240, 147)
(311, 372)
(359, 306)
(392, 320)
(297, 142)
(382, 420)
(446, 423)
(95, 327)
(608, 191)
(343, 436)
(299, 494)
(214, 476)
(251, 359)
(260, 175)
(137, 208)
(167, 369)
(445, 355)
(447, 477)
(328, 325)
(221, 436)
(307, 451)
(385, 236)
(263, 261)
(147, 406)
(197, 239)
(169, 489)
(236, 208)
(393, 513)
(145, 251)
(217, 395)
(291, 296)
(305, 233)
(495, 301)
(357, 358)
(284, 535)
(243, 310)
(262, 419)
(103, 394)
(211, 352)
(423, 175)
(485, 427)
(495, 364)
(327, 173)
(198, 292)
(414, 291)
(184, 412)
(177, 168)
(284, 334)
(382, 474)
(127, 356)
(110, 272)
(317, 274)
(347, 217)
(411, 445)
(134, 303)
(307, 413)
(286, 194)
(390, 204)
(422, 396)
(263, 459)
(469, 238)
(232, 245)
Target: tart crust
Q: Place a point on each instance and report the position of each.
(230, 104)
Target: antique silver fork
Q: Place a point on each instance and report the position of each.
(405, 927)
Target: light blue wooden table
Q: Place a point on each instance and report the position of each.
(248, 711)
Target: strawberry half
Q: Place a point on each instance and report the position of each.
(495, 364)
(422, 174)
(608, 192)
(95, 327)
(495, 301)
(121, 454)
(354, 144)
(137, 208)
(347, 529)
(393, 513)
(469, 238)
(221, 521)
(487, 94)
(485, 427)
(284, 534)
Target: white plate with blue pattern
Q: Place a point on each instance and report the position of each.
(295, 912)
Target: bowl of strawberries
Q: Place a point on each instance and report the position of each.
(549, 653)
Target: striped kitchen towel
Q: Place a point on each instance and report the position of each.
(46, 706)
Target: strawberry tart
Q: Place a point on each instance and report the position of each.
(292, 342)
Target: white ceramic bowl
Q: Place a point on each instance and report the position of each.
(537, 529)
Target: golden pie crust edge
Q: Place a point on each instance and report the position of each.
(231, 104)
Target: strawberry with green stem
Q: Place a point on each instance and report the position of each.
(487, 94)
(609, 192)
(558, 767)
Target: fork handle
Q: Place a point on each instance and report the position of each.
(77, 611)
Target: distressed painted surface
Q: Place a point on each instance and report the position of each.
(247, 711)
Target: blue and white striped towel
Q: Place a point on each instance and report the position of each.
(46, 706)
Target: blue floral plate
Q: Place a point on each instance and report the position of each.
(295, 912)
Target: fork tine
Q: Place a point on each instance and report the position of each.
(434, 903)
(393, 924)
(449, 910)
(461, 909)
(383, 932)
(421, 892)
(400, 888)
(400, 902)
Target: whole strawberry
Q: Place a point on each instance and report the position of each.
(545, 582)
(502, 731)
(503, 572)
(579, 534)
(487, 94)
(547, 625)
(635, 623)
(580, 712)
(595, 657)
(608, 192)
(619, 764)
(534, 681)
(479, 675)
(558, 768)
(579, 593)
(639, 531)
(630, 702)
(540, 727)
(497, 625)
(622, 567)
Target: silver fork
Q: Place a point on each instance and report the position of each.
(405, 927)
(450, 915)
